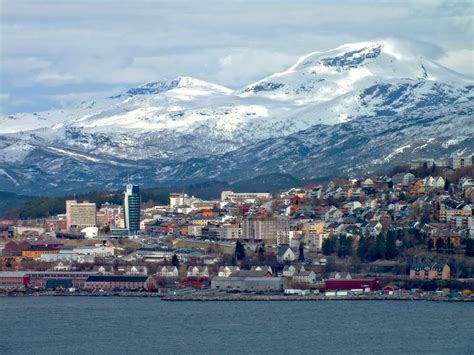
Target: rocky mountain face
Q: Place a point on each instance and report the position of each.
(340, 112)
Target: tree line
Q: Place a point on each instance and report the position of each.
(370, 248)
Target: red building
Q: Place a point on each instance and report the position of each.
(46, 243)
(15, 249)
(111, 282)
(54, 279)
(295, 200)
(13, 280)
(352, 284)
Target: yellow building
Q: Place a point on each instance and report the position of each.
(446, 213)
(418, 187)
(314, 228)
(37, 252)
(430, 271)
(203, 221)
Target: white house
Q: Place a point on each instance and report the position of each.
(265, 268)
(62, 266)
(197, 271)
(136, 270)
(333, 214)
(439, 182)
(305, 276)
(225, 271)
(340, 275)
(290, 270)
(168, 271)
(285, 254)
(368, 182)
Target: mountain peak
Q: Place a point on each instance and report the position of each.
(345, 56)
(324, 75)
(176, 83)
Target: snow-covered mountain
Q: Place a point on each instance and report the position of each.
(186, 129)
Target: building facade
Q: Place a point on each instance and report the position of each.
(244, 196)
(430, 271)
(270, 230)
(80, 214)
(131, 204)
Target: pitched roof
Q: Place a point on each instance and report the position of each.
(428, 266)
(250, 273)
(282, 249)
(116, 278)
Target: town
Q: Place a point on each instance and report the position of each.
(409, 235)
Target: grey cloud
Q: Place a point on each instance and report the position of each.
(51, 46)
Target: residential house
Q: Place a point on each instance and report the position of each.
(430, 271)
(448, 237)
(305, 276)
(333, 214)
(340, 276)
(168, 271)
(285, 254)
(226, 271)
(266, 269)
(197, 271)
(136, 270)
(404, 179)
(62, 266)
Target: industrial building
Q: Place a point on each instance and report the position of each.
(245, 280)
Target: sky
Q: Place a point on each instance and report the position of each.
(54, 53)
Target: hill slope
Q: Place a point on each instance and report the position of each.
(345, 110)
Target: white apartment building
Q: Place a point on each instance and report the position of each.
(461, 161)
(244, 196)
(80, 214)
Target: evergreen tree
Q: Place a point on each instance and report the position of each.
(175, 261)
(239, 251)
(470, 247)
(301, 254)
(380, 246)
(367, 249)
(430, 244)
(349, 241)
(363, 248)
(261, 254)
(391, 250)
(439, 244)
(446, 184)
(425, 168)
(328, 246)
(345, 246)
(449, 245)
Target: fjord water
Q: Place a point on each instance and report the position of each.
(115, 325)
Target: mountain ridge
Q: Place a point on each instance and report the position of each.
(186, 128)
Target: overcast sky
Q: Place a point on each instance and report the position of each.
(53, 52)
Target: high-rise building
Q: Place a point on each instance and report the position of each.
(177, 199)
(270, 230)
(458, 161)
(80, 214)
(131, 205)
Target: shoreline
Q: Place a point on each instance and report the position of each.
(246, 297)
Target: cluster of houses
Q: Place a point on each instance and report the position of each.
(285, 224)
